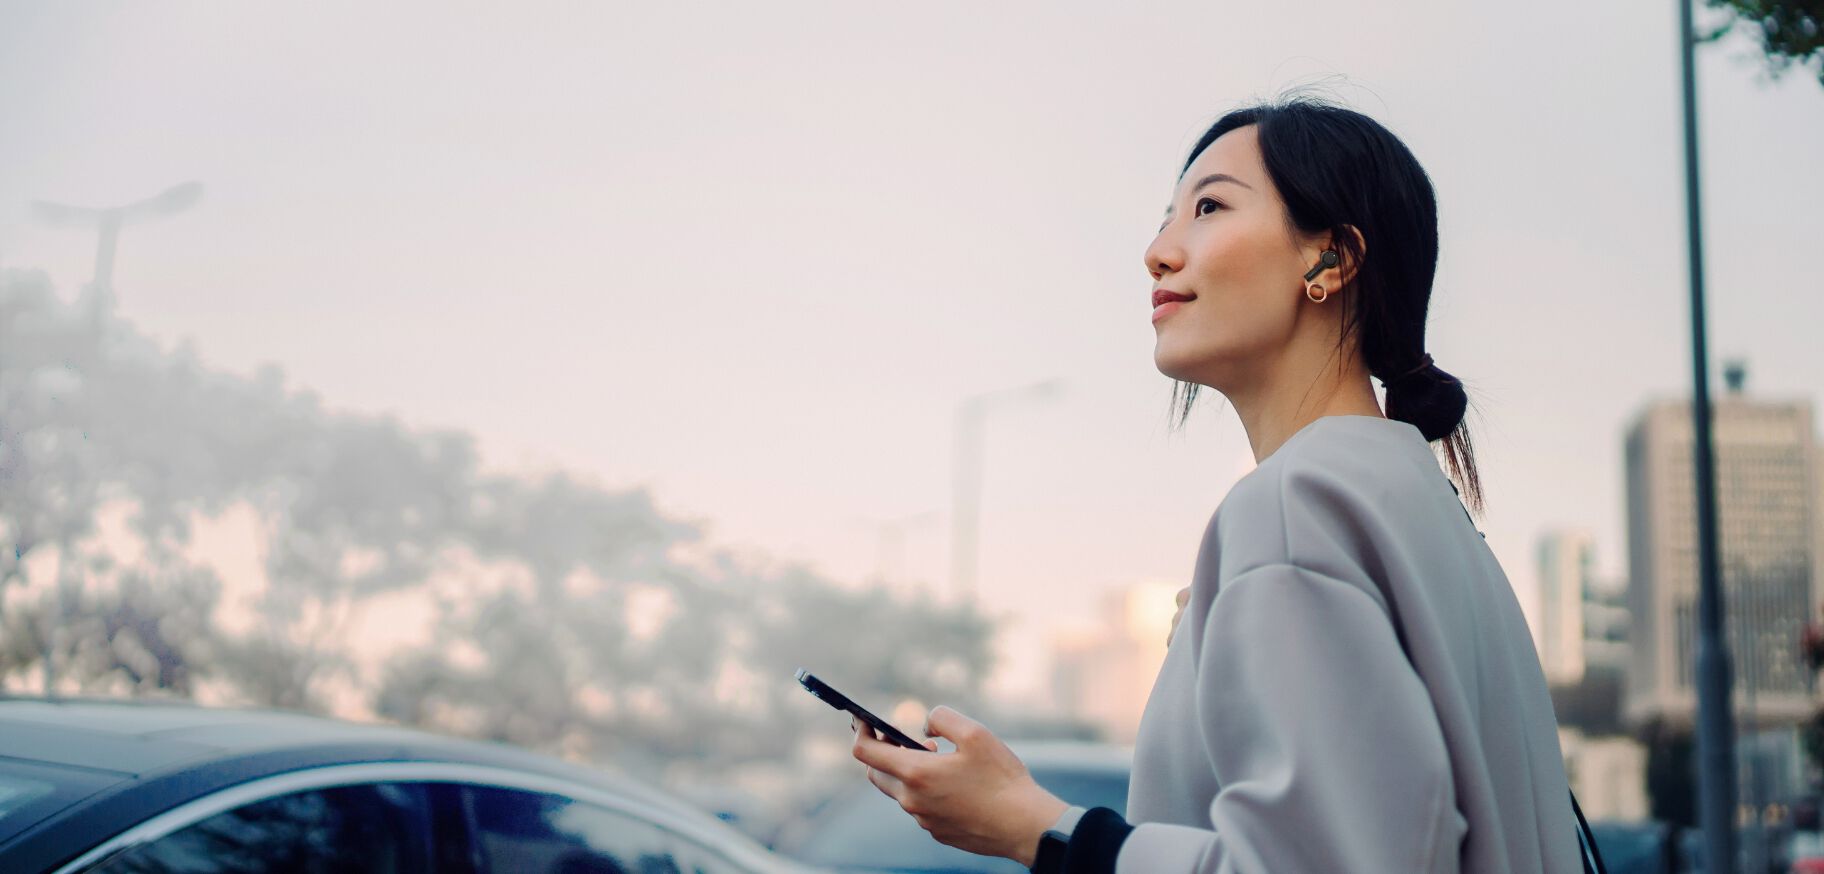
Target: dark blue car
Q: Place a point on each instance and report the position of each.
(118, 787)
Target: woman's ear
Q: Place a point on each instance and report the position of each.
(1351, 255)
(1348, 261)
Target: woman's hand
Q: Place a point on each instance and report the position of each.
(1184, 597)
(979, 798)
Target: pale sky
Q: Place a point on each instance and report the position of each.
(751, 255)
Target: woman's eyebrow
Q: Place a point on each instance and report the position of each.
(1211, 179)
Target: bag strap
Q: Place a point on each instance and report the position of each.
(1586, 841)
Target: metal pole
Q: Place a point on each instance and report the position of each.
(966, 462)
(1715, 732)
(107, 238)
(965, 497)
(890, 548)
(101, 288)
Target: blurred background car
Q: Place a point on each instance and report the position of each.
(1636, 847)
(861, 829)
(113, 787)
(1805, 852)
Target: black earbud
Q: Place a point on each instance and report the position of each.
(1324, 262)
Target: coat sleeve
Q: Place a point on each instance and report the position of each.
(1321, 735)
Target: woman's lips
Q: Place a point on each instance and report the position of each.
(1166, 301)
(1162, 295)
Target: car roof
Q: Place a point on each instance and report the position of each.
(136, 737)
(1074, 755)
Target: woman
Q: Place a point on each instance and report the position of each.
(1354, 687)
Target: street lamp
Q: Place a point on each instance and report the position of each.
(108, 222)
(1715, 733)
(966, 476)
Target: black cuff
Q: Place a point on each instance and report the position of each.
(1096, 842)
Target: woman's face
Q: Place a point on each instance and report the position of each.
(1226, 243)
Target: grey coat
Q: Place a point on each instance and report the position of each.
(1288, 732)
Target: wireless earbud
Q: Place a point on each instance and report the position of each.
(1324, 262)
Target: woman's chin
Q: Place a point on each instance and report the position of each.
(1174, 367)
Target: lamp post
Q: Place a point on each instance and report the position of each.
(966, 477)
(107, 224)
(890, 545)
(1715, 733)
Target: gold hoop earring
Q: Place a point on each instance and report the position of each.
(1316, 293)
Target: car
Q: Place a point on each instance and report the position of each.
(110, 787)
(860, 829)
(1804, 852)
(1636, 847)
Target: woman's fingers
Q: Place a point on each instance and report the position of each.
(879, 755)
(978, 798)
(954, 727)
(892, 786)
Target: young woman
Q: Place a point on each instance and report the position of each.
(1354, 687)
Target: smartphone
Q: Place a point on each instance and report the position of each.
(841, 702)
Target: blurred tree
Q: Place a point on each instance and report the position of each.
(677, 663)
(558, 614)
(145, 633)
(1790, 31)
(49, 494)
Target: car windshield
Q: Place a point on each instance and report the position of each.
(30, 791)
(865, 829)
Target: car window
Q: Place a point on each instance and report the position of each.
(535, 832)
(29, 792)
(375, 827)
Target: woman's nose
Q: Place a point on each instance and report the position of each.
(1163, 255)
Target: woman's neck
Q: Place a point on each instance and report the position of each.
(1294, 394)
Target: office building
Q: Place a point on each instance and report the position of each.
(1767, 507)
(1104, 674)
(1566, 564)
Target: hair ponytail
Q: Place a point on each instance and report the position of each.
(1433, 401)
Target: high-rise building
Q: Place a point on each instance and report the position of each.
(1104, 674)
(1605, 627)
(1608, 773)
(1768, 504)
(1566, 563)
(1583, 626)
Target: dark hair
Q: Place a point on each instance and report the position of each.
(1337, 169)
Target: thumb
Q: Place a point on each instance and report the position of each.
(946, 723)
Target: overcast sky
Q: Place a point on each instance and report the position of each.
(751, 255)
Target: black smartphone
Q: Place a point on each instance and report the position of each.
(836, 699)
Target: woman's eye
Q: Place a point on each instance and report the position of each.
(1207, 201)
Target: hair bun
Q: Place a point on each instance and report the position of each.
(1428, 398)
